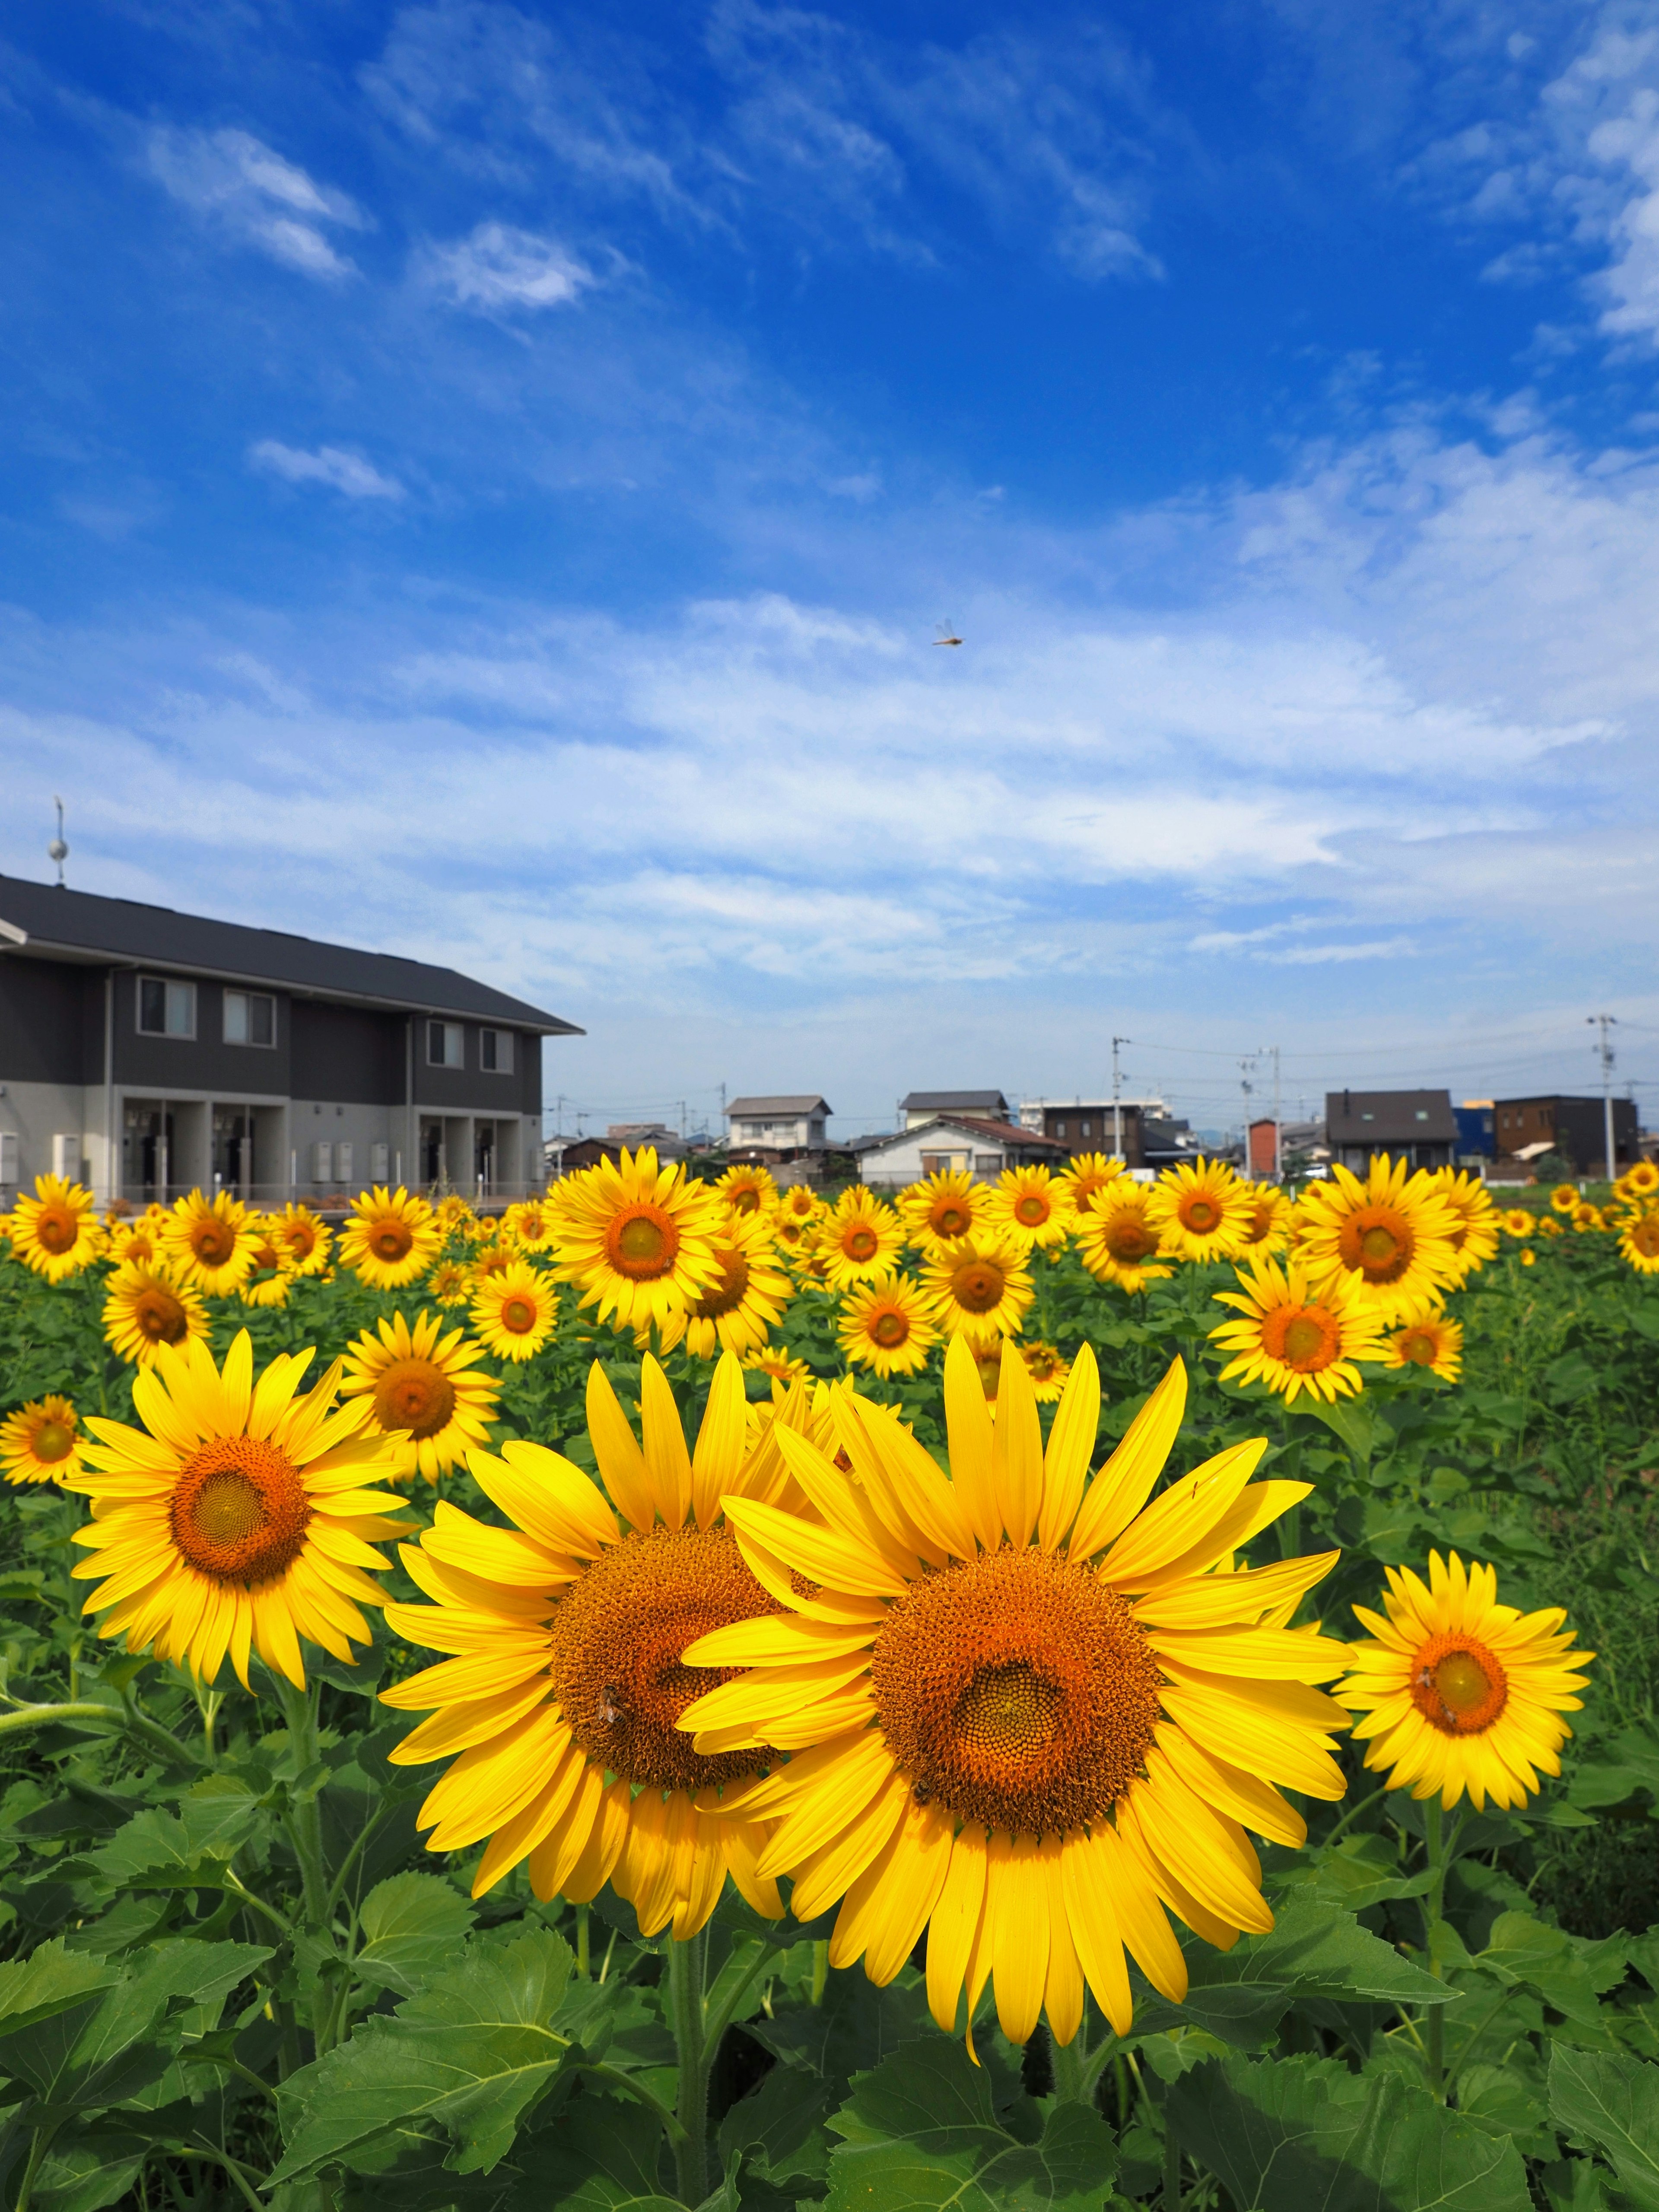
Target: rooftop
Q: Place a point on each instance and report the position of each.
(1404, 1117)
(803, 1103)
(954, 1102)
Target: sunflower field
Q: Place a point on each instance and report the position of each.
(1047, 1696)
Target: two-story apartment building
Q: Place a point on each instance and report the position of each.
(147, 1051)
(1573, 1129)
(777, 1129)
(1418, 1126)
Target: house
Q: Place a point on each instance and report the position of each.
(780, 1129)
(1573, 1129)
(980, 1148)
(923, 1106)
(667, 1144)
(1416, 1125)
(1092, 1126)
(1298, 1143)
(1477, 1129)
(148, 1052)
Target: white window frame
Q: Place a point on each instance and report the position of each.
(168, 985)
(496, 1052)
(446, 1029)
(247, 1001)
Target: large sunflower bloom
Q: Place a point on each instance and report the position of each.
(980, 1288)
(303, 1237)
(1083, 1177)
(56, 1232)
(1459, 1693)
(210, 1243)
(1295, 1339)
(1392, 1233)
(1029, 1206)
(738, 1310)
(943, 1208)
(568, 1626)
(1025, 1715)
(241, 1521)
(421, 1398)
(1638, 1244)
(886, 1327)
(514, 1310)
(1117, 1239)
(1429, 1338)
(859, 1239)
(146, 1308)
(638, 1239)
(746, 1190)
(39, 1442)
(389, 1238)
(1201, 1212)
(1476, 1220)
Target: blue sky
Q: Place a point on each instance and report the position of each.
(482, 481)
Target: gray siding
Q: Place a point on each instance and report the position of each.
(51, 1022)
(351, 1054)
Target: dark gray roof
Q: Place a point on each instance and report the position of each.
(805, 1103)
(1389, 1117)
(955, 1101)
(44, 919)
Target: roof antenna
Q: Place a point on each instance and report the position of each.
(59, 848)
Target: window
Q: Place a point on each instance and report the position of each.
(250, 1017)
(1422, 1114)
(165, 1009)
(495, 1051)
(444, 1046)
(1086, 1128)
(1059, 1128)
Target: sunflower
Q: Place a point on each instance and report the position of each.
(737, 1309)
(1201, 1212)
(1000, 1734)
(303, 1238)
(980, 1288)
(800, 1202)
(1529, 1257)
(421, 1399)
(1518, 1222)
(1564, 1197)
(1267, 1226)
(570, 1623)
(38, 1443)
(242, 1520)
(208, 1242)
(860, 1240)
(794, 1236)
(1476, 1220)
(1083, 1177)
(1640, 1182)
(1549, 1227)
(886, 1327)
(56, 1232)
(514, 1310)
(1586, 1218)
(1639, 1243)
(1049, 1370)
(638, 1238)
(943, 1208)
(782, 1366)
(1295, 1339)
(147, 1307)
(268, 1284)
(1392, 1233)
(1118, 1240)
(1429, 1338)
(390, 1238)
(450, 1284)
(744, 1190)
(1459, 1693)
(528, 1225)
(1029, 1206)
(453, 1211)
(136, 1242)
(490, 1257)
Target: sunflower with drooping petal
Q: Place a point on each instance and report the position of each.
(1024, 1713)
(40, 1443)
(1085, 1175)
(1475, 1220)
(887, 1327)
(389, 1238)
(450, 1284)
(1428, 1337)
(1200, 1212)
(748, 1189)
(514, 1310)
(568, 1625)
(56, 1232)
(146, 1307)
(305, 1239)
(1460, 1695)
(1118, 1241)
(858, 1240)
(942, 1208)
(1048, 1368)
(1295, 1338)
(268, 1283)
(423, 1399)
(1391, 1232)
(240, 1517)
(208, 1242)
(1638, 1243)
(637, 1238)
(782, 1366)
(1029, 1207)
(980, 1288)
(1268, 1226)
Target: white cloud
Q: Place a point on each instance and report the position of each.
(234, 181)
(333, 465)
(499, 267)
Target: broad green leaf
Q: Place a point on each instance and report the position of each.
(49, 1981)
(160, 1850)
(593, 2160)
(780, 2125)
(1304, 2135)
(1614, 2103)
(920, 2132)
(468, 2054)
(87, 2170)
(1567, 1972)
(415, 1923)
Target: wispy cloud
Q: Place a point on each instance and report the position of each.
(236, 183)
(333, 465)
(499, 267)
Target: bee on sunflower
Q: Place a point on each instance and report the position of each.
(56, 1232)
(40, 1443)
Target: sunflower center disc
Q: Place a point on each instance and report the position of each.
(978, 1287)
(1419, 1347)
(1129, 1240)
(239, 1512)
(1202, 1215)
(1308, 1343)
(616, 1643)
(890, 1330)
(54, 1232)
(1016, 1690)
(1645, 1236)
(863, 1244)
(728, 1294)
(52, 1442)
(213, 1244)
(950, 1221)
(642, 1245)
(1032, 1213)
(1458, 1685)
(518, 1316)
(415, 1395)
(391, 1240)
(159, 1317)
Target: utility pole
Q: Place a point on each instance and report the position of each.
(1117, 1100)
(1279, 1140)
(1246, 1069)
(1606, 1021)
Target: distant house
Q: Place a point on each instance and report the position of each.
(1087, 1125)
(1574, 1128)
(567, 1155)
(1477, 1128)
(979, 1148)
(777, 1129)
(1299, 1142)
(1416, 1125)
(667, 1144)
(927, 1105)
(147, 1051)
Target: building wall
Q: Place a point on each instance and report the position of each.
(351, 1055)
(896, 1165)
(44, 1021)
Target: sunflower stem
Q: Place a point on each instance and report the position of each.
(582, 1953)
(1071, 2071)
(687, 1971)
(304, 1822)
(820, 1970)
(1433, 1912)
(1172, 2198)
